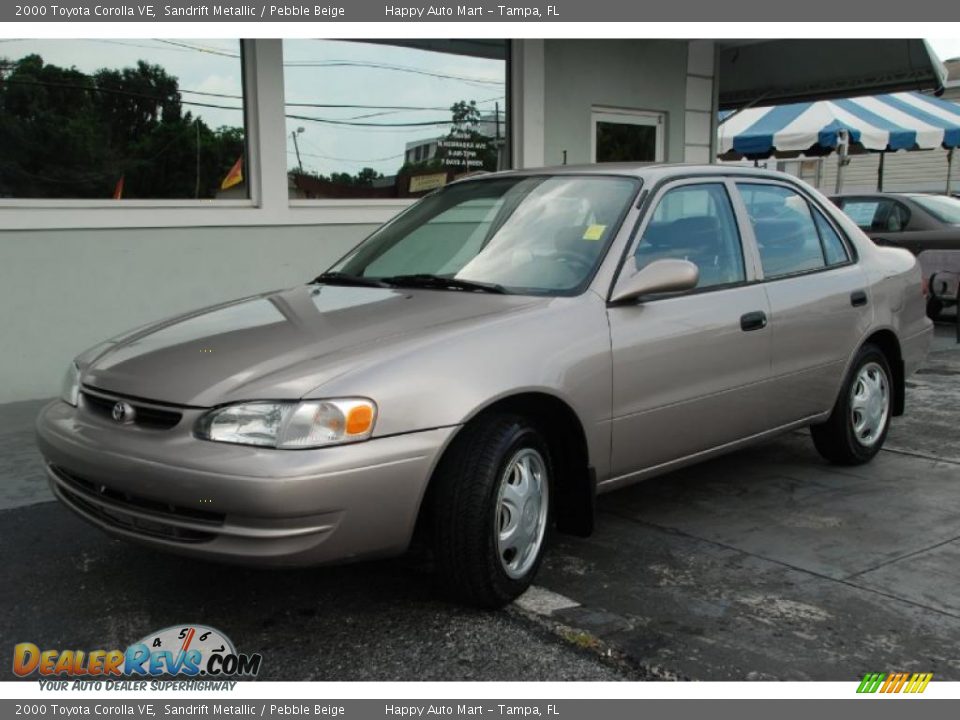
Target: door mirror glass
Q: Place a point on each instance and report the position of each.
(659, 276)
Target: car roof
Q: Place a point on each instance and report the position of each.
(645, 171)
(875, 194)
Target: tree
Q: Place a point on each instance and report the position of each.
(65, 134)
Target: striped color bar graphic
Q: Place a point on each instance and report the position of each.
(895, 682)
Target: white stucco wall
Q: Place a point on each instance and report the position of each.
(627, 74)
(62, 291)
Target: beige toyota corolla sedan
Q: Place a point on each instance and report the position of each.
(483, 365)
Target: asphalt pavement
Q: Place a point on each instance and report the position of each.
(765, 564)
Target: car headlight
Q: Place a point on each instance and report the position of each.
(290, 425)
(70, 389)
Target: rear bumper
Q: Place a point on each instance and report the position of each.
(237, 503)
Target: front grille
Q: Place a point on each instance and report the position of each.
(109, 505)
(148, 416)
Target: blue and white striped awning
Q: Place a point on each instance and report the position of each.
(901, 121)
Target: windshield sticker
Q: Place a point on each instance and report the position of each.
(594, 232)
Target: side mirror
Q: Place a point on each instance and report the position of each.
(660, 276)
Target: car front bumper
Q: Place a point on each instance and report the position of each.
(239, 503)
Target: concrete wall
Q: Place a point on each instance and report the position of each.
(628, 74)
(62, 291)
(916, 171)
(921, 170)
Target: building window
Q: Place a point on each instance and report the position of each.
(122, 119)
(393, 118)
(626, 136)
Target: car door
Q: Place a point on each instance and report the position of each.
(817, 293)
(688, 368)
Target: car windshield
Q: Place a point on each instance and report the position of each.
(517, 234)
(945, 209)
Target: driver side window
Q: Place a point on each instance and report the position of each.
(696, 223)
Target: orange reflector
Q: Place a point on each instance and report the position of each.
(359, 419)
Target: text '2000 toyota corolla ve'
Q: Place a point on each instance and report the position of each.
(484, 364)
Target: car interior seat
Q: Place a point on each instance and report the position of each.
(698, 239)
(787, 245)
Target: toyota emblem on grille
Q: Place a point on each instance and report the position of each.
(122, 412)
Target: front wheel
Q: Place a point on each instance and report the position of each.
(857, 427)
(492, 510)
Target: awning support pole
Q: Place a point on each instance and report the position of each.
(950, 175)
(883, 154)
(842, 159)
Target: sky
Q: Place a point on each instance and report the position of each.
(945, 49)
(328, 72)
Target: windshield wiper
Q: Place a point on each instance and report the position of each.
(426, 280)
(342, 278)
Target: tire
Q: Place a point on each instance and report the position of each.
(852, 435)
(934, 308)
(468, 510)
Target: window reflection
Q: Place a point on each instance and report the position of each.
(392, 119)
(121, 119)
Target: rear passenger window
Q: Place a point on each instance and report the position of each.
(862, 212)
(786, 234)
(696, 223)
(876, 215)
(833, 247)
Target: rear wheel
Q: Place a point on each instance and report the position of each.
(492, 510)
(857, 427)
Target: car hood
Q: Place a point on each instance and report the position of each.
(275, 345)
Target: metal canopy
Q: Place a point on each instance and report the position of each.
(773, 72)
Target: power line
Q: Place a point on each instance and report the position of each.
(341, 63)
(384, 66)
(308, 118)
(353, 123)
(113, 91)
(349, 160)
(199, 48)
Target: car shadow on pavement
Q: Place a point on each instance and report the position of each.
(66, 584)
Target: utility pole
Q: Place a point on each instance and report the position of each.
(196, 190)
(296, 147)
(496, 117)
(950, 183)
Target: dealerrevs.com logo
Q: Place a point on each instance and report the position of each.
(179, 650)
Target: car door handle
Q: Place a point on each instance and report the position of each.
(756, 320)
(858, 298)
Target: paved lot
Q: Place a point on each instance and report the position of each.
(766, 564)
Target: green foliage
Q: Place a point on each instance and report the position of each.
(364, 178)
(65, 134)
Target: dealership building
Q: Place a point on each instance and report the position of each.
(151, 177)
